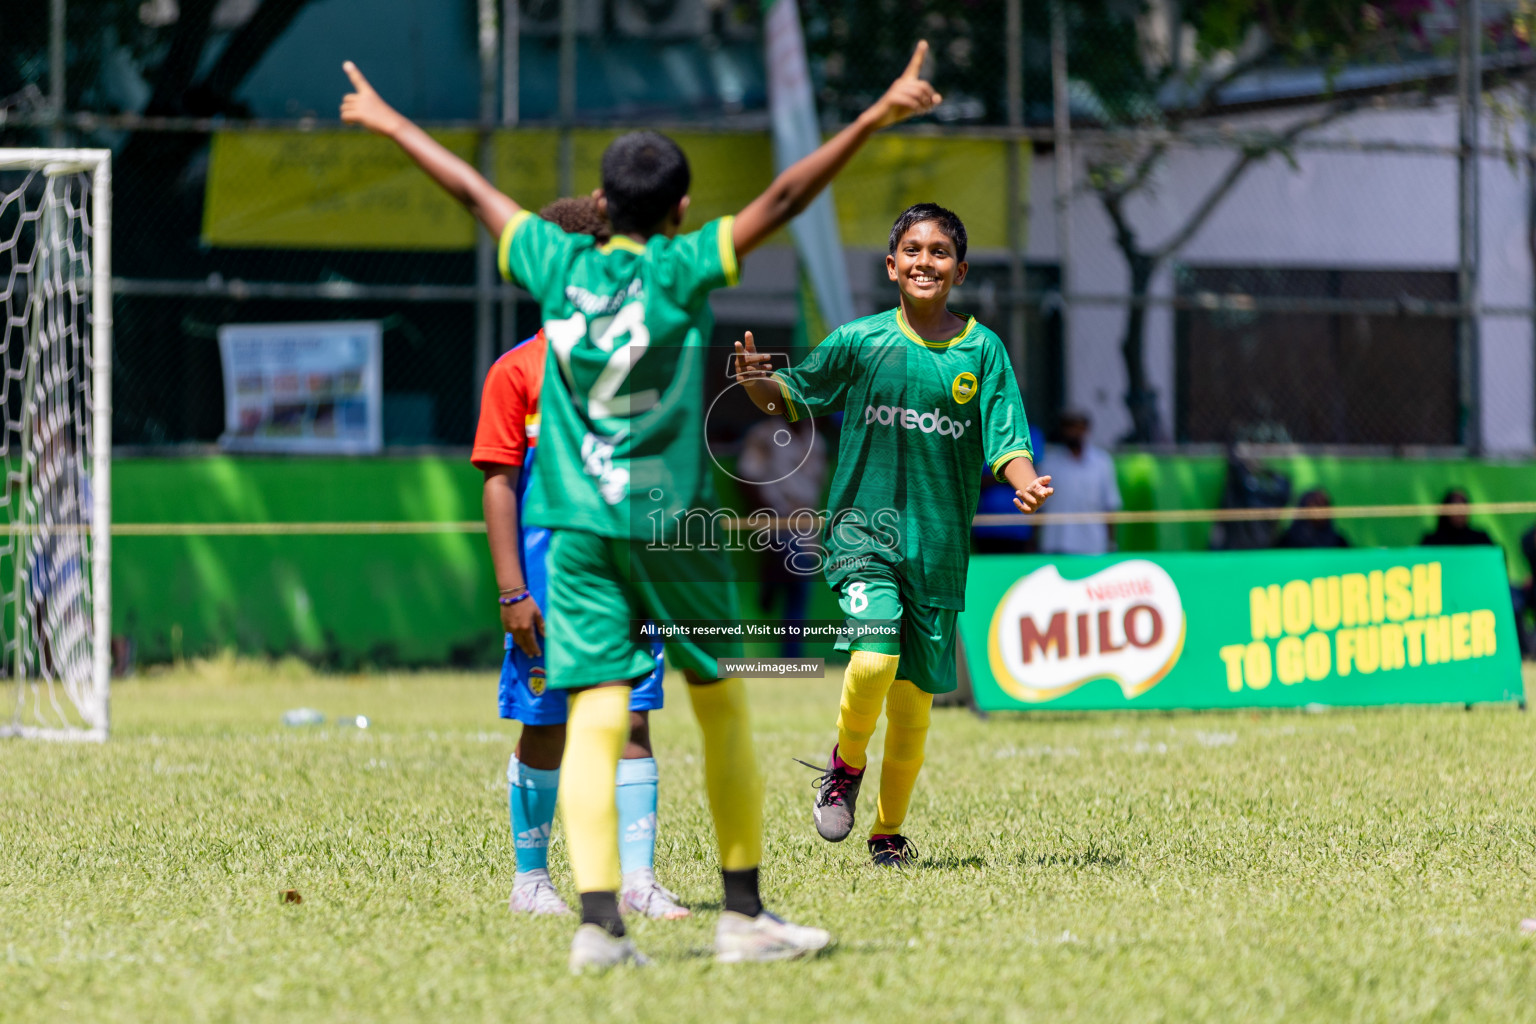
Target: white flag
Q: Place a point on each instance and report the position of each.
(795, 135)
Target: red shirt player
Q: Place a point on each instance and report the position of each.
(506, 446)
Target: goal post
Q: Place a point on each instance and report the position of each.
(56, 442)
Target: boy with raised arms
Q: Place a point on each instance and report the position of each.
(622, 444)
(506, 450)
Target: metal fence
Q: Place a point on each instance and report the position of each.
(1207, 224)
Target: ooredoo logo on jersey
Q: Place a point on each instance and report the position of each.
(929, 422)
(1051, 635)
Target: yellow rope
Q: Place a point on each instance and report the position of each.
(1151, 516)
(290, 529)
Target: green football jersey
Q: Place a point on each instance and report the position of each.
(621, 431)
(920, 419)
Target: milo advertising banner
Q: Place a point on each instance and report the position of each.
(1241, 629)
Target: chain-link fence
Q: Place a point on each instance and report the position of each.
(1199, 223)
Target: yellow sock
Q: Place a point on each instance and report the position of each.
(865, 683)
(730, 771)
(595, 733)
(906, 733)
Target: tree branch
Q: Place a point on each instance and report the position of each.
(248, 45)
(180, 64)
(1234, 173)
(1205, 103)
(1144, 168)
(1125, 235)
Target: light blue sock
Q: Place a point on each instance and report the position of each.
(532, 799)
(637, 813)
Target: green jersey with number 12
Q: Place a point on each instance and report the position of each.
(621, 434)
(920, 418)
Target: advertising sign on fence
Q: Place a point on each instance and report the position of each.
(314, 388)
(1241, 629)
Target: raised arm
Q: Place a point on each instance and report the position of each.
(367, 108)
(793, 190)
(754, 370)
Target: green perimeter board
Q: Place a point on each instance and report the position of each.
(343, 600)
(430, 599)
(1149, 481)
(347, 600)
(1104, 600)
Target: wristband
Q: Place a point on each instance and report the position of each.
(507, 602)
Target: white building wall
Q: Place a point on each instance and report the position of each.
(1375, 211)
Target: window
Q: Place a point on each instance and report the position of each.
(1345, 378)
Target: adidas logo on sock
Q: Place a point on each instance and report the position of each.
(641, 830)
(534, 839)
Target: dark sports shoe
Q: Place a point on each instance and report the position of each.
(837, 797)
(892, 851)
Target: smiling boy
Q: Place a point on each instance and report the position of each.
(928, 395)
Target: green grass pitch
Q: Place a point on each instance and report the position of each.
(1369, 865)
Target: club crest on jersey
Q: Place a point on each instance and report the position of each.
(964, 387)
(536, 681)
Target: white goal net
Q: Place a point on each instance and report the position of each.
(55, 397)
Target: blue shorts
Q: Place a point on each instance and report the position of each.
(523, 694)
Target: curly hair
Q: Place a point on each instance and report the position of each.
(578, 215)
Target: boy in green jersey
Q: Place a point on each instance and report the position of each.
(622, 463)
(927, 396)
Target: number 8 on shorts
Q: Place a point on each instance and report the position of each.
(857, 599)
(868, 604)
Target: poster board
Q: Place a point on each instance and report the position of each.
(312, 388)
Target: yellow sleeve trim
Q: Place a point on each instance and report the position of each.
(724, 233)
(790, 412)
(1007, 457)
(504, 246)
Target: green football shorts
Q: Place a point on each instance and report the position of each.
(599, 585)
(927, 643)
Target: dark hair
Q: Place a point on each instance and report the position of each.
(578, 215)
(948, 223)
(644, 176)
(1454, 496)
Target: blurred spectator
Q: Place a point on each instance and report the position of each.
(1454, 529)
(1312, 533)
(783, 468)
(1083, 476)
(996, 498)
(1250, 484)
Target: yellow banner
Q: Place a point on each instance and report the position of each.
(970, 176)
(328, 190)
(349, 190)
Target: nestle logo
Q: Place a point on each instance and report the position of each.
(1129, 588)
